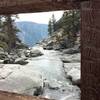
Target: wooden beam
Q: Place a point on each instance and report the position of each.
(90, 46)
(28, 6)
(14, 96)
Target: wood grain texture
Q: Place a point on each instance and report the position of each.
(26, 6)
(13, 96)
(90, 41)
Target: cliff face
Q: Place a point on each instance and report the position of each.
(31, 33)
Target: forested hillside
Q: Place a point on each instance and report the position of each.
(66, 31)
(15, 35)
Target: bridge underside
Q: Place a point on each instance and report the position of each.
(29, 6)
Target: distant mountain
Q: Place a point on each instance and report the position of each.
(31, 32)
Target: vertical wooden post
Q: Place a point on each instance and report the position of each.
(90, 40)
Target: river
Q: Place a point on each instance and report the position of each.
(46, 71)
(51, 68)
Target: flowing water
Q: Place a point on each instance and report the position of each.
(51, 68)
(45, 71)
(50, 65)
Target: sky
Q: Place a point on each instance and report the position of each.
(42, 17)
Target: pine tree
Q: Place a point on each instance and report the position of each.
(11, 30)
(3, 36)
(0, 22)
(53, 22)
(70, 23)
(72, 26)
(51, 25)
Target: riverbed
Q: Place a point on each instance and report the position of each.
(46, 71)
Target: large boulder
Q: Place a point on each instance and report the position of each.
(72, 71)
(71, 51)
(75, 76)
(9, 60)
(27, 53)
(51, 85)
(19, 79)
(57, 46)
(1, 61)
(54, 86)
(35, 53)
(48, 47)
(21, 53)
(21, 61)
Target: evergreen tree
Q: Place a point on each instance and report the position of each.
(70, 23)
(0, 23)
(3, 36)
(10, 29)
(8, 34)
(53, 20)
(51, 25)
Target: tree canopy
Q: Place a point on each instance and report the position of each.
(8, 31)
(69, 23)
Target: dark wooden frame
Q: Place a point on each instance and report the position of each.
(90, 37)
(90, 41)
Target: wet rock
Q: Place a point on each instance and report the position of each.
(35, 53)
(50, 43)
(54, 86)
(75, 75)
(77, 82)
(71, 51)
(1, 49)
(1, 61)
(48, 47)
(3, 54)
(69, 92)
(21, 61)
(28, 79)
(9, 61)
(57, 47)
(71, 97)
(19, 79)
(38, 91)
(21, 53)
(66, 58)
(73, 72)
(27, 53)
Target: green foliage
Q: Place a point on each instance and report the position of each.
(4, 37)
(53, 20)
(4, 45)
(70, 23)
(8, 31)
(51, 25)
(21, 46)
